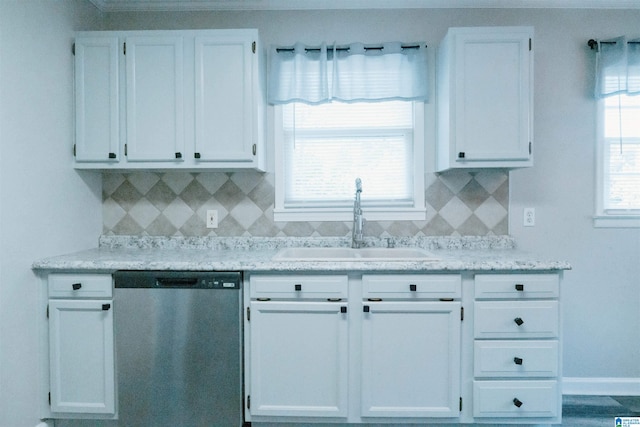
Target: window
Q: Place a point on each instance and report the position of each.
(618, 202)
(322, 149)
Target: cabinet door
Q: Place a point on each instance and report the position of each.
(81, 356)
(492, 96)
(225, 113)
(155, 111)
(411, 359)
(299, 357)
(97, 99)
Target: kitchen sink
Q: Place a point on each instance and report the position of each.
(350, 254)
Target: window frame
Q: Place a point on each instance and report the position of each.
(603, 218)
(282, 213)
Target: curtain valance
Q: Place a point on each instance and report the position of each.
(350, 73)
(617, 67)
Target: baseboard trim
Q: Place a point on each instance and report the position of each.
(601, 386)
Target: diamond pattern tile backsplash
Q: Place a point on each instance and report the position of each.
(459, 203)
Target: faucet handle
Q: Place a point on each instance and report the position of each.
(358, 185)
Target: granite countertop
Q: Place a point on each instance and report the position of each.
(113, 253)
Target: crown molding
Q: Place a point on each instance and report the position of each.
(239, 5)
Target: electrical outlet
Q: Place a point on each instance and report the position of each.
(212, 218)
(529, 217)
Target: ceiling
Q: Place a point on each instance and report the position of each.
(197, 5)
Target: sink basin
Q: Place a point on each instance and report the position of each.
(350, 254)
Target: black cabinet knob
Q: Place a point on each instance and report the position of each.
(413, 288)
(76, 286)
(106, 307)
(517, 402)
(196, 155)
(365, 309)
(518, 360)
(518, 321)
(461, 155)
(343, 309)
(298, 287)
(178, 155)
(112, 155)
(519, 287)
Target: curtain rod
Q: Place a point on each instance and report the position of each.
(593, 44)
(344, 49)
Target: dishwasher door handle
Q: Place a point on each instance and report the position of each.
(176, 282)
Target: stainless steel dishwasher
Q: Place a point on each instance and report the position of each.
(178, 338)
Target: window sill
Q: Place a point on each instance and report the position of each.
(346, 214)
(616, 221)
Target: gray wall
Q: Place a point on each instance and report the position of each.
(45, 206)
(601, 295)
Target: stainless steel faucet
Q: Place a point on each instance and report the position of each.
(358, 220)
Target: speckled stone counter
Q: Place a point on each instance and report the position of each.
(113, 253)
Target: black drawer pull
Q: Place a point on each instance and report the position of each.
(343, 309)
(518, 360)
(519, 287)
(298, 287)
(518, 321)
(76, 286)
(178, 155)
(365, 309)
(413, 288)
(106, 307)
(517, 402)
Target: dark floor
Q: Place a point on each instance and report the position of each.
(598, 411)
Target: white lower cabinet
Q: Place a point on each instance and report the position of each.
(81, 346)
(352, 349)
(298, 359)
(517, 358)
(411, 359)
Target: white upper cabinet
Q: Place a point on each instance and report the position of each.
(226, 120)
(97, 99)
(485, 98)
(155, 114)
(169, 99)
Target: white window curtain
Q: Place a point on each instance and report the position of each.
(617, 67)
(353, 73)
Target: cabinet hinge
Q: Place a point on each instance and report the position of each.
(73, 49)
(253, 47)
(74, 150)
(249, 402)
(124, 48)
(248, 314)
(460, 404)
(530, 43)
(461, 314)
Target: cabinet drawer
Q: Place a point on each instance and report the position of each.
(515, 359)
(516, 286)
(297, 287)
(516, 399)
(80, 286)
(520, 319)
(411, 286)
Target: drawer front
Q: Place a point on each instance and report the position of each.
(516, 399)
(516, 286)
(526, 359)
(80, 286)
(299, 287)
(519, 319)
(412, 286)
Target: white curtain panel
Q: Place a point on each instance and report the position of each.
(351, 73)
(617, 67)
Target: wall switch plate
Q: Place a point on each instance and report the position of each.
(529, 219)
(212, 218)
